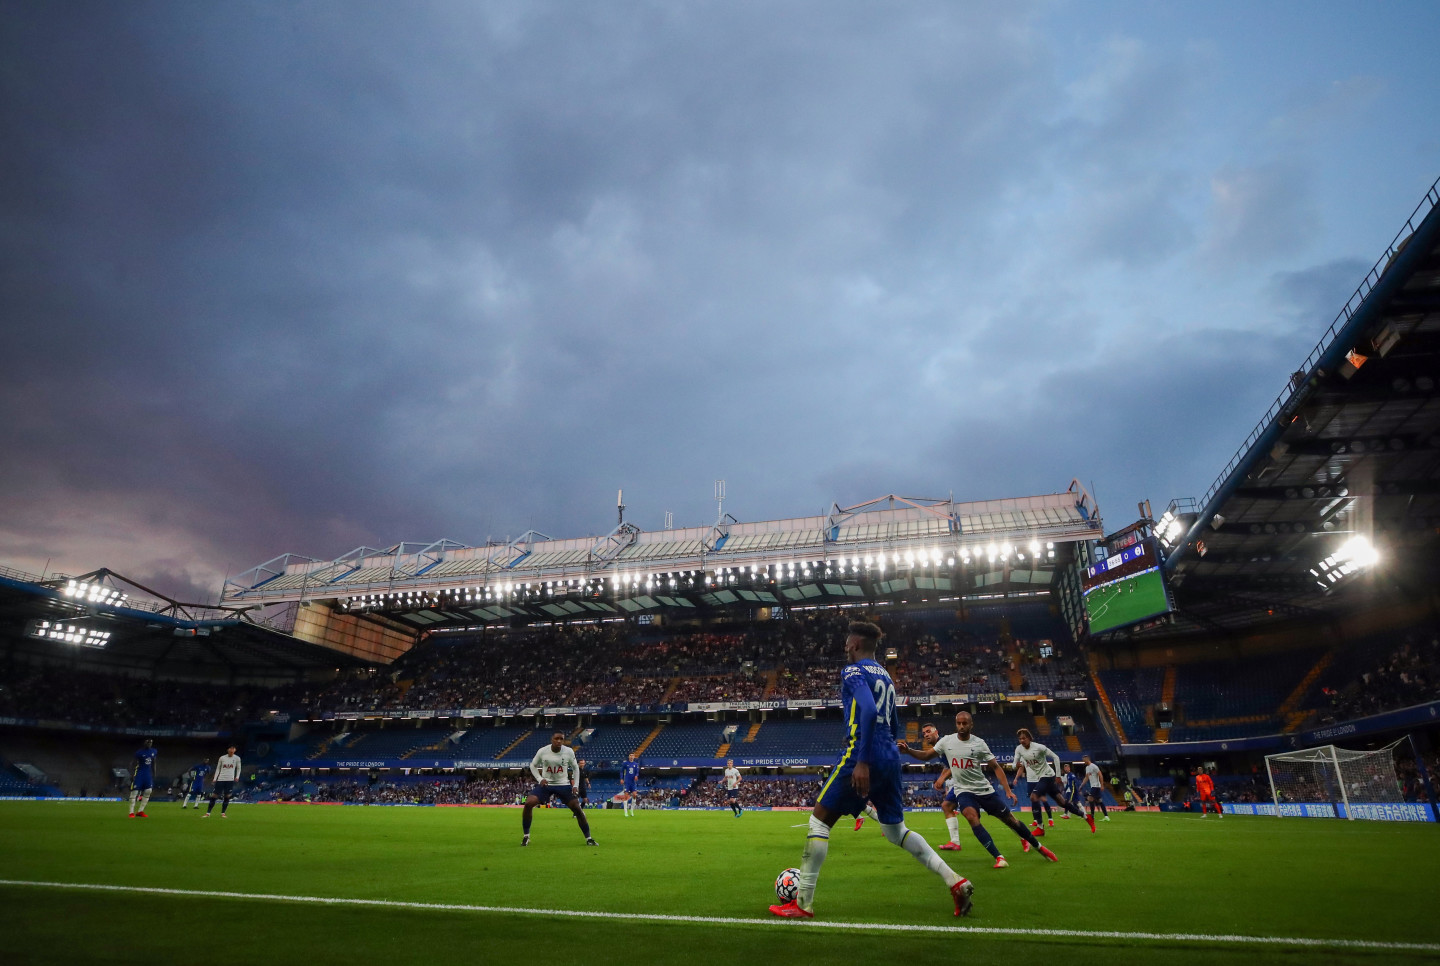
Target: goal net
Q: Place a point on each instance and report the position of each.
(1332, 775)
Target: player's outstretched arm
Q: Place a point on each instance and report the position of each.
(923, 754)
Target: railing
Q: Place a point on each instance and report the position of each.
(199, 612)
(1431, 199)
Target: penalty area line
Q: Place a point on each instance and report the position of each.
(1294, 941)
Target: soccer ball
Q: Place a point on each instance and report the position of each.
(787, 885)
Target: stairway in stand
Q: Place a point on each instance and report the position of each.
(1111, 717)
(648, 738)
(507, 749)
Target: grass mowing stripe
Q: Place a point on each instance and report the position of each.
(1294, 941)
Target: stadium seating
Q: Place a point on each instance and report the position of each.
(1132, 691)
(613, 742)
(677, 740)
(394, 743)
(792, 736)
(488, 742)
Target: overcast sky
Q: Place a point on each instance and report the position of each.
(305, 276)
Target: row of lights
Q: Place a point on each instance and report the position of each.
(71, 633)
(96, 593)
(792, 569)
(1354, 554)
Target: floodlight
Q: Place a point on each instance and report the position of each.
(1360, 551)
(70, 632)
(1353, 555)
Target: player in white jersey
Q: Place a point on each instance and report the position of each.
(966, 756)
(732, 786)
(943, 784)
(227, 773)
(1033, 760)
(556, 774)
(1095, 791)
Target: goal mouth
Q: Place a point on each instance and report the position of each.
(1333, 782)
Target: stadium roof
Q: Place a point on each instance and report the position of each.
(1343, 469)
(99, 619)
(888, 546)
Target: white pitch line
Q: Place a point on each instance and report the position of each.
(1301, 942)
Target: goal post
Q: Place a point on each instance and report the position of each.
(1337, 782)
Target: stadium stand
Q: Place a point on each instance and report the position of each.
(394, 744)
(613, 742)
(681, 740)
(1133, 692)
(782, 736)
(489, 742)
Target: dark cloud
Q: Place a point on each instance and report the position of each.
(306, 278)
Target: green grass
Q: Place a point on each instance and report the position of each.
(1126, 601)
(1140, 873)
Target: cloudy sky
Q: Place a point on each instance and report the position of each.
(305, 276)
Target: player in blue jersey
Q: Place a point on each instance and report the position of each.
(197, 784)
(1070, 782)
(630, 778)
(142, 778)
(868, 769)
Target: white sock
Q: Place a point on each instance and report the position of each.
(953, 824)
(144, 799)
(870, 812)
(912, 842)
(817, 843)
(132, 802)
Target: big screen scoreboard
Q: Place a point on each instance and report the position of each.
(1125, 588)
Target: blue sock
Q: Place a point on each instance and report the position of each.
(1025, 833)
(983, 834)
(584, 825)
(525, 822)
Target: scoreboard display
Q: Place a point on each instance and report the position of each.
(1125, 588)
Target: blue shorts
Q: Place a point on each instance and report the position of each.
(630, 789)
(1045, 786)
(142, 783)
(885, 792)
(565, 793)
(990, 804)
(1094, 793)
(732, 793)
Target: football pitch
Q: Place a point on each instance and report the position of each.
(422, 885)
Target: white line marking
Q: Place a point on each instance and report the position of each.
(733, 921)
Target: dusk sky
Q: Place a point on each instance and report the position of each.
(301, 277)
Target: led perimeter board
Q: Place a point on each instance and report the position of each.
(1125, 588)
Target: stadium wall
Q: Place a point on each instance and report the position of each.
(370, 638)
